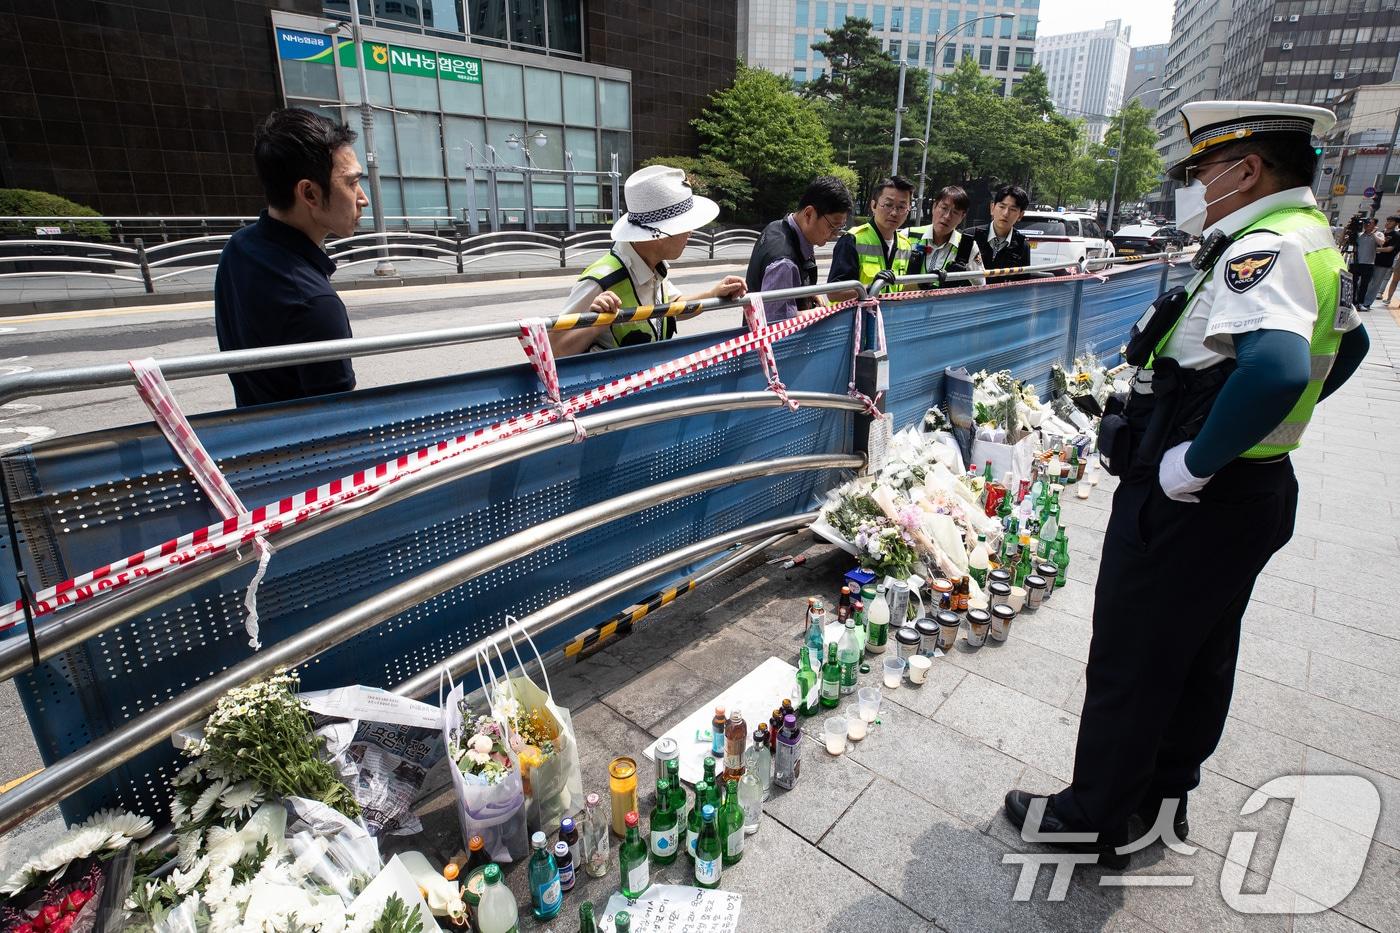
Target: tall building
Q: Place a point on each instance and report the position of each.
(778, 35)
(1086, 71)
(1355, 153)
(1146, 61)
(139, 108)
(1310, 51)
(1194, 55)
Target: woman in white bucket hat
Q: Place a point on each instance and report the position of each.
(662, 212)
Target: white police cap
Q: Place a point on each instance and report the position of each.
(1212, 123)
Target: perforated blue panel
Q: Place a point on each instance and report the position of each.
(83, 501)
(1109, 309)
(115, 493)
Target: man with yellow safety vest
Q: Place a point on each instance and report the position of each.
(661, 214)
(1230, 369)
(940, 244)
(879, 248)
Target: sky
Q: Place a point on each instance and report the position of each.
(1151, 20)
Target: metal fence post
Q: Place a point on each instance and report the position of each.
(145, 266)
(616, 195)
(494, 197)
(457, 235)
(473, 221)
(1162, 286)
(872, 380)
(1072, 337)
(712, 243)
(572, 221)
(529, 201)
(563, 250)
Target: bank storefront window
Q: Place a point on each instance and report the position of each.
(437, 109)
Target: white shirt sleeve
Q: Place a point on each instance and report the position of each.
(585, 290)
(974, 262)
(1261, 283)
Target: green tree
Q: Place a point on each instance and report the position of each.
(711, 178)
(758, 127)
(1033, 90)
(858, 97)
(1139, 166)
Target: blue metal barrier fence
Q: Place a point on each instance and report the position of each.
(82, 501)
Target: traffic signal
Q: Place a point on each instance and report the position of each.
(1317, 150)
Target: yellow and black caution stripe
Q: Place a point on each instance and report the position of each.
(621, 625)
(623, 315)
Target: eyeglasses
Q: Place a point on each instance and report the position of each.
(1200, 165)
(832, 225)
(894, 207)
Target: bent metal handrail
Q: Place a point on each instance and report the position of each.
(81, 768)
(566, 607)
(70, 629)
(55, 381)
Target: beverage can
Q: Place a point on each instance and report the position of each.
(666, 749)
(898, 597)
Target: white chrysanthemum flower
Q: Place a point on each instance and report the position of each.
(224, 845)
(121, 826)
(186, 881)
(188, 848)
(206, 800)
(239, 800)
(188, 774)
(220, 883)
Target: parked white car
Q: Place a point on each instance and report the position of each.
(1063, 237)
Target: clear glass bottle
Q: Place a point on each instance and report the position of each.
(545, 895)
(497, 912)
(595, 837)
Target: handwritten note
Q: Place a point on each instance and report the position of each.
(677, 908)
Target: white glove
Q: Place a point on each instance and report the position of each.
(1177, 481)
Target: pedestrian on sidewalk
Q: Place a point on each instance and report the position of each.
(1240, 359)
(1363, 268)
(878, 248)
(662, 212)
(785, 257)
(1387, 269)
(273, 284)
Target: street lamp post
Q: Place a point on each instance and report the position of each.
(1118, 160)
(898, 121)
(928, 116)
(516, 141)
(376, 204)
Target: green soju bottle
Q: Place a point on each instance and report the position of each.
(663, 836)
(1061, 558)
(586, 923)
(831, 680)
(1023, 569)
(709, 851)
(678, 800)
(731, 824)
(622, 922)
(849, 651)
(806, 684)
(632, 858)
(693, 821)
(546, 896)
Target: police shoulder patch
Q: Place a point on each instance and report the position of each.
(1244, 272)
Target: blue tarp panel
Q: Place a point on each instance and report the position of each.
(83, 501)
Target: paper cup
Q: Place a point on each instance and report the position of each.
(1018, 598)
(1002, 617)
(918, 669)
(978, 622)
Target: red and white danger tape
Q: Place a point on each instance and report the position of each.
(275, 517)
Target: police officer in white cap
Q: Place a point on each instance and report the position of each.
(1231, 368)
(662, 212)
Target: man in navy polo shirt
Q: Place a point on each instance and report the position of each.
(273, 285)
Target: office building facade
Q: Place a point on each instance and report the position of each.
(138, 111)
(1308, 51)
(1194, 56)
(1368, 118)
(1086, 71)
(778, 35)
(1145, 62)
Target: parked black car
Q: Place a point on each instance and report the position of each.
(1138, 239)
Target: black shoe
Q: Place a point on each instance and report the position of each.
(1018, 803)
(1150, 808)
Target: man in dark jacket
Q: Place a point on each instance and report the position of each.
(273, 285)
(1001, 245)
(783, 257)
